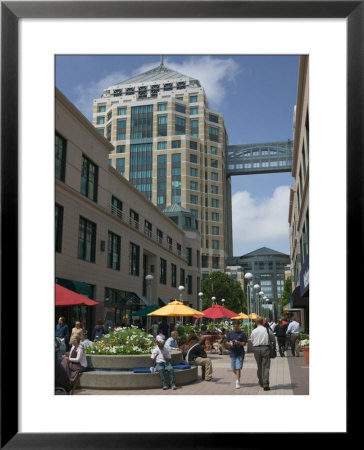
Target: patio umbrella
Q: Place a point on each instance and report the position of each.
(145, 311)
(66, 297)
(240, 316)
(218, 311)
(253, 316)
(176, 309)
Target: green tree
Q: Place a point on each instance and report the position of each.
(286, 295)
(222, 286)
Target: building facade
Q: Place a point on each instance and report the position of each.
(108, 235)
(171, 146)
(268, 268)
(298, 216)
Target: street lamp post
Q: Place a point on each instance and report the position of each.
(149, 279)
(261, 294)
(181, 289)
(200, 294)
(248, 276)
(257, 288)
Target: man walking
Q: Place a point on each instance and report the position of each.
(236, 340)
(293, 331)
(197, 355)
(261, 338)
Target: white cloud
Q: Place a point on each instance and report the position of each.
(85, 94)
(256, 223)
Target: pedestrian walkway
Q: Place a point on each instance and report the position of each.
(288, 376)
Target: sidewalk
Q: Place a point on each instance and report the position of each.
(288, 376)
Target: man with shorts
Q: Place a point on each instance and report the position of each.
(236, 339)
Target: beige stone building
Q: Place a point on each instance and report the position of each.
(171, 146)
(299, 197)
(109, 236)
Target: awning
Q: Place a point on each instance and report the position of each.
(163, 301)
(66, 297)
(298, 301)
(76, 286)
(142, 299)
(145, 311)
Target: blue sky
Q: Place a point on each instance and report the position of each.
(256, 95)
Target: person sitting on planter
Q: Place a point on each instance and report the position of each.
(171, 342)
(162, 358)
(197, 355)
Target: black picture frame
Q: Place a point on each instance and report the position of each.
(11, 12)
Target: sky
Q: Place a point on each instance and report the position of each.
(256, 95)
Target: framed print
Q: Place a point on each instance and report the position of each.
(269, 17)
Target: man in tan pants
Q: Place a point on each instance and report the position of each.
(197, 355)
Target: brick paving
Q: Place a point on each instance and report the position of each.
(288, 376)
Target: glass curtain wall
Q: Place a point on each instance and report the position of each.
(141, 161)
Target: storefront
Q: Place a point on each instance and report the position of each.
(120, 305)
(72, 314)
(301, 297)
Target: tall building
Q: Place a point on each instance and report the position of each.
(268, 268)
(108, 236)
(298, 216)
(171, 146)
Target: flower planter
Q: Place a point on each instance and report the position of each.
(306, 353)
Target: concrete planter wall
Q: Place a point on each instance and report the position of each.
(126, 361)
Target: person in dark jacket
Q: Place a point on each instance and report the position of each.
(62, 333)
(197, 355)
(98, 331)
(280, 332)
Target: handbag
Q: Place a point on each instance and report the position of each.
(272, 347)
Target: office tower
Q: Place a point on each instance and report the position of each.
(171, 146)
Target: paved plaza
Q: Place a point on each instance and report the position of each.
(288, 376)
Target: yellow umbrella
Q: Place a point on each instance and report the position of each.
(176, 308)
(253, 316)
(240, 316)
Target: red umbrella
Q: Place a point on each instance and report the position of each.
(65, 297)
(218, 311)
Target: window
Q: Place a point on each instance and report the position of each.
(188, 222)
(61, 145)
(134, 219)
(189, 284)
(134, 259)
(179, 249)
(180, 126)
(154, 89)
(204, 261)
(213, 118)
(176, 144)
(215, 230)
(121, 131)
(180, 108)
(121, 111)
(147, 228)
(101, 108)
(194, 199)
(86, 240)
(89, 172)
(215, 217)
(170, 242)
(162, 125)
(215, 262)
(162, 106)
(213, 150)
(142, 92)
(142, 122)
(193, 145)
(129, 91)
(176, 157)
(193, 158)
(194, 185)
(162, 145)
(189, 256)
(214, 176)
(116, 206)
(168, 86)
(163, 271)
(198, 258)
(193, 172)
(214, 202)
(214, 134)
(215, 245)
(176, 171)
(100, 120)
(120, 166)
(59, 227)
(113, 251)
(120, 149)
(173, 275)
(194, 127)
(101, 131)
(161, 199)
(214, 189)
(109, 114)
(214, 163)
(193, 98)
(193, 110)
(182, 277)
(108, 132)
(159, 236)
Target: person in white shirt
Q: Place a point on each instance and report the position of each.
(260, 338)
(293, 331)
(162, 357)
(171, 342)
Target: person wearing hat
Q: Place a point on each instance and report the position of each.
(162, 358)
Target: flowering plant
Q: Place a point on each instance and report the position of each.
(304, 343)
(123, 341)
